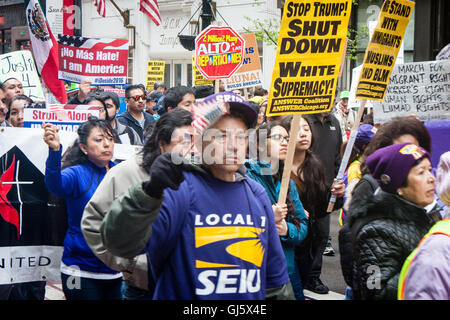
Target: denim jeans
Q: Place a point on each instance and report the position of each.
(133, 293)
(296, 283)
(34, 290)
(79, 288)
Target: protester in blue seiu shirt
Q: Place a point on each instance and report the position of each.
(83, 275)
(211, 230)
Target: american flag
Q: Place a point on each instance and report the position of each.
(151, 9)
(204, 114)
(93, 43)
(101, 7)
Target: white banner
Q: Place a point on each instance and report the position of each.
(419, 88)
(30, 263)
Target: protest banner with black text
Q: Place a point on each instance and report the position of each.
(419, 88)
(33, 222)
(309, 51)
(383, 49)
(155, 73)
(101, 61)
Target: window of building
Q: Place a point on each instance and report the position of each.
(6, 44)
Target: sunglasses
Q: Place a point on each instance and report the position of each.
(136, 98)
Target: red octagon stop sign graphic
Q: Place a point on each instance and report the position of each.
(219, 52)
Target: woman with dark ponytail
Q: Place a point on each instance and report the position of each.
(291, 222)
(84, 276)
(308, 173)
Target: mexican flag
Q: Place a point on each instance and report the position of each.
(45, 49)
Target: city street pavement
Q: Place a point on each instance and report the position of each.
(331, 272)
(331, 267)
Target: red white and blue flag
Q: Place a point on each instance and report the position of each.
(101, 7)
(151, 9)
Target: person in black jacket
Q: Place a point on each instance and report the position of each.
(397, 130)
(135, 117)
(326, 131)
(391, 224)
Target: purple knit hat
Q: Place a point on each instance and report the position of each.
(390, 165)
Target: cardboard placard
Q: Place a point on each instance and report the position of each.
(309, 51)
(20, 65)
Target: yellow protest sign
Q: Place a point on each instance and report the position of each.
(383, 49)
(310, 46)
(155, 72)
(197, 78)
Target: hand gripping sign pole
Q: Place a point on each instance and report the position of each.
(295, 127)
(348, 151)
(309, 52)
(379, 61)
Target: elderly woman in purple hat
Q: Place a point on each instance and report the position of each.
(389, 226)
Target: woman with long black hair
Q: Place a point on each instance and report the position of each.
(308, 173)
(75, 179)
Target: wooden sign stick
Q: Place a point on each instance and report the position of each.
(295, 127)
(348, 151)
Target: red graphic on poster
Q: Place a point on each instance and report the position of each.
(219, 52)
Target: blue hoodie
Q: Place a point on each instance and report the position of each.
(215, 240)
(294, 236)
(76, 185)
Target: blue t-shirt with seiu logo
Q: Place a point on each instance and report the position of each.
(215, 240)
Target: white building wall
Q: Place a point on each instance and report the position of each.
(162, 43)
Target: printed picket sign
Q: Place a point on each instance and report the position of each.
(101, 61)
(383, 49)
(309, 52)
(219, 52)
(66, 117)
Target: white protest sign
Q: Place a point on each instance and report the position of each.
(20, 65)
(420, 88)
(66, 117)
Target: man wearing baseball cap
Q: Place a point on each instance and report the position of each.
(344, 114)
(208, 230)
(393, 221)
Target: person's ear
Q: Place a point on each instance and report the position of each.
(83, 148)
(162, 146)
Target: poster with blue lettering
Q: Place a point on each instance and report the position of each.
(20, 65)
(67, 117)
